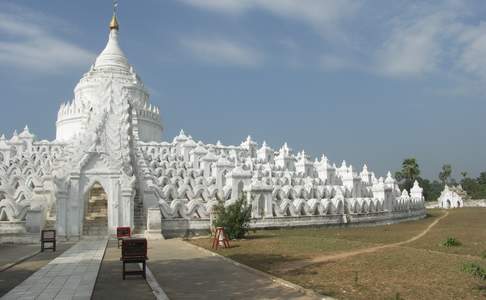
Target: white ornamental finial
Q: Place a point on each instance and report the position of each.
(115, 7)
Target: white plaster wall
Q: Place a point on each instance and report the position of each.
(149, 130)
(67, 128)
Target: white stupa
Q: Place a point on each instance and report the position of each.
(108, 167)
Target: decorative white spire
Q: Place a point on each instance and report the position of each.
(112, 56)
(114, 21)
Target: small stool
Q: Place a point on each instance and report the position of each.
(220, 239)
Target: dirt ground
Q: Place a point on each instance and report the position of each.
(418, 269)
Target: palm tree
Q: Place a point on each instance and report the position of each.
(409, 173)
(445, 173)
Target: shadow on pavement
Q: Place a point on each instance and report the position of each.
(15, 275)
(109, 284)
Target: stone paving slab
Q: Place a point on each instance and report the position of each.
(16, 274)
(72, 275)
(185, 272)
(12, 253)
(110, 285)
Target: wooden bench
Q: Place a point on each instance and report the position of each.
(122, 233)
(48, 237)
(134, 250)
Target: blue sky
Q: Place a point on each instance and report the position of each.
(366, 81)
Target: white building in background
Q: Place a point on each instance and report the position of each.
(451, 197)
(108, 167)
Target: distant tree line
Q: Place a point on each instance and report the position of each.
(410, 171)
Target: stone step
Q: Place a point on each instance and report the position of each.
(94, 226)
(95, 232)
(97, 214)
(97, 205)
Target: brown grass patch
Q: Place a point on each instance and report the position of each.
(412, 273)
(467, 225)
(422, 269)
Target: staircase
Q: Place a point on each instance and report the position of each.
(50, 224)
(96, 218)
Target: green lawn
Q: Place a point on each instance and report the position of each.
(420, 270)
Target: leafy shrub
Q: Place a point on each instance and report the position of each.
(475, 270)
(233, 218)
(483, 254)
(451, 242)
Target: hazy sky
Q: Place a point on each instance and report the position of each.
(367, 81)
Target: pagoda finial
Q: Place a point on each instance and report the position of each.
(114, 21)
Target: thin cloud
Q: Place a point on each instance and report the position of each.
(405, 40)
(414, 48)
(28, 42)
(325, 16)
(221, 51)
(472, 58)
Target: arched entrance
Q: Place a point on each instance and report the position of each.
(95, 221)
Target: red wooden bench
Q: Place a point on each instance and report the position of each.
(48, 237)
(134, 251)
(122, 233)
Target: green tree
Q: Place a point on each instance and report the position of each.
(475, 187)
(482, 178)
(431, 190)
(445, 174)
(408, 174)
(464, 175)
(234, 218)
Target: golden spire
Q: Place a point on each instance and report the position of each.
(114, 21)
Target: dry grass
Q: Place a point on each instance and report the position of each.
(420, 270)
(467, 225)
(412, 273)
(306, 243)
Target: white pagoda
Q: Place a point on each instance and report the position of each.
(108, 167)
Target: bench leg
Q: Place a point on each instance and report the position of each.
(123, 270)
(42, 246)
(144, 270)
(54, 246)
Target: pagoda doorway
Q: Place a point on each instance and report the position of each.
(95, 221)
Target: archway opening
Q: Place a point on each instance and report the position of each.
(96, 212)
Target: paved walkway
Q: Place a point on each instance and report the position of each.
(72, 275)
(20, 271)
(185, 272)
(11, 253)
(110, 284)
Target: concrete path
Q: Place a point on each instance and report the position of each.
(72, 275)
(12, 253)
(20, 271)
(185, 272)
(110, 284)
